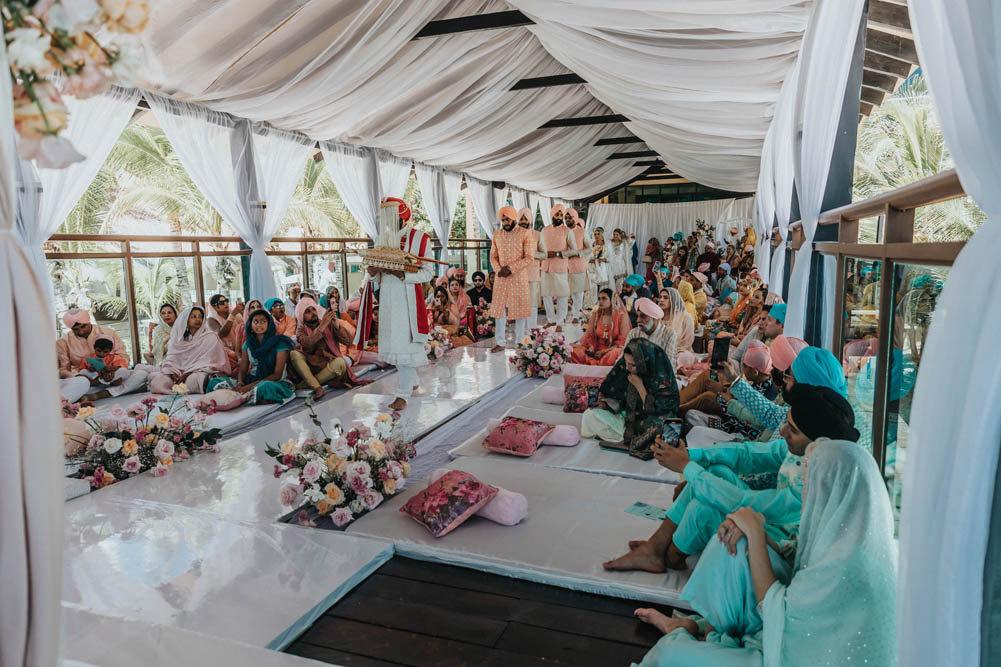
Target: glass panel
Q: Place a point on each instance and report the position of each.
(954, 220)
(97, 285)
(324, 271)
(916, 290)
(287, 270)
(223, 275)
(870, 230)
(861, 327)
(161, 280)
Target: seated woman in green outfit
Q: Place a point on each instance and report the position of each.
(714, 486)
(836, 605)
(264, 361)
(637, 397)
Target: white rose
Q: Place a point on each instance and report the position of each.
(27, 50)
(112, 445)
(356, 506)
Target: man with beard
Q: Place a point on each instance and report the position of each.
(77, 345)
(650, 326)
(525, 219)
(633, 288)
(320, 361)
(578, 264)
(557, 246)
(512, 251)
(478, 292)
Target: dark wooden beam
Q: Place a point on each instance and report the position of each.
(548, 81)
(891, 45)
(586, 120)
(866, 108)
(873, 95)
(880, 63)
(874, 79)
(615, 141)
(470, 23)
(631, 154)
(889, 14)
(649, 163)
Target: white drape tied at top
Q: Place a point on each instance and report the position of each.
(31, 506)
(783, 172)
(238, 167)
(440, 191)
(952, 451)
(486, 203)
(48, 195)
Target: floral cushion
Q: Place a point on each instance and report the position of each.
(578, 398)
(585, 380)
(446, 503)
(520, 437)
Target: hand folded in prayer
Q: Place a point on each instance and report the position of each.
(672, 458)
(239, 307)
(729, 534)
(505, 272)
(751, 523)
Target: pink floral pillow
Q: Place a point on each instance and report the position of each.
(520, 437)
(446, 503)
(579, 398)
(583, 380)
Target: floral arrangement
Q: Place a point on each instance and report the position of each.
(704, 229)
(485, 325)
(439, 342)
(52, 52)
(129, 441)
(345, 474)
(542, 353)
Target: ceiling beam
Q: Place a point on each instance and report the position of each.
(649, 163)
(880, 63)
(891, 45)
(548, 81)
(668, 180)
(866, 108)
(890, 17)
(585, 120)
(873, 95)
(491, 21)
(874, 79)
(615, 141)
(631, 154)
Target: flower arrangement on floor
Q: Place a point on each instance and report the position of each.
(439, 342)
(129, 441)
(344, 474)
(485, 325)
(704, 230)
(542, 353)
(54, 40)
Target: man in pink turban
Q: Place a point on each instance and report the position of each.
(577, 265)
(649, 325)
(526, 218)
(511, 255)
(77, 344)
(557, 246)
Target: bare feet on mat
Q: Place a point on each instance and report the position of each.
(497, 348)
(641, 558)
(318, 393)
(636, 544)
(665, 623)
(559, 329)
(104, 393)
(674, 559)
(398, 404)
(575, 321)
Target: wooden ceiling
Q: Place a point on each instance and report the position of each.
(890, 53)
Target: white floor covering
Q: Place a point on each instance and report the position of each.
(575, 521)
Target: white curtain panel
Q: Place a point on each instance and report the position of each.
(783, 160)
(534, 201)
(481, 194)
(546, 204)
(952, 453)
(94, 126)
(440, 193)
(764, 209)
(825, 62)
(394, 174)
(31, 505)
(355, 173)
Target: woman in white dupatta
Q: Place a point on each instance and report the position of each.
(194, 354)
(677, 317)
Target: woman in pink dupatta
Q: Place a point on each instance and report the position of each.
(458, 301)
(227, 321)
(194, 355)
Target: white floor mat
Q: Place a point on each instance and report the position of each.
(575, 521)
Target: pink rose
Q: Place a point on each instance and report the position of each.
(311, 472)
(176, 423)
(291, 494)
(164, 450)
(278, 471)
(141, 435)
(358, 483)
(160, 470)
(177, 438)
(359, 469)
(131, 464)
(370, 498)
(117, 412)
(341, 516)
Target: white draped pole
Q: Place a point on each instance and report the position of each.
(394, 174)
(355, 173)
(440, 192)
(481, 193)
(952, 453)
(784, 127)
(31, 499)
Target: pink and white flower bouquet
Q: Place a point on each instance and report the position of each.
(439, 342)
(542, 353)
(485, 325)
(344, 474)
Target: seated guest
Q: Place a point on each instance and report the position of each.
(332, 301)
(606, 333)
(159, 335)
(633, 287)
(676, 316)
(771, 325)
(835, 605)
(688, 296)
(458, 301)
(699, 282)
(195, 356)
(292, 293)
(714, 486)
(320, 360)
(227, 322)
(252, 305)
(443, 315)
(106, 370)
(285, 324)
(478, 293)
(264, 362)
(73, 389)
(78, 343)
(723, 284)
(635, 400)
(650, 327)
(491, 276)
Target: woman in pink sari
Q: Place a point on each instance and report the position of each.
(194, 355)
(459, 302)
(606, 333)
(227, 321)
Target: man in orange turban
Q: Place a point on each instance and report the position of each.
(557, 246)
(511, 255)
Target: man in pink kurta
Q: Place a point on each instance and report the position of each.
(511, 254)
(526, 218)
(78, 344)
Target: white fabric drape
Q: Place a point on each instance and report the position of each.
(31, 507)
(783, 159)
(534, 200)
(440, 193)
(953, 445)
(764, 206)
(825, 63)
(394, 174)
(547, 204)
(355, 173)
(48, 195)
(481, 194)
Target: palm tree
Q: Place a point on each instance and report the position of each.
(316, 207)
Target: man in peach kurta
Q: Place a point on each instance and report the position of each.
(526, 217)
(577, 264)
(511, 254)
(78, 343)
(556, 247)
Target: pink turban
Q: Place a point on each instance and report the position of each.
(784, 351)
(354, 304)
(572, 212)
(701, 277)
(649, 308)
(526, 213)
(509, 211)
(772, 298)
(553, 210)
(304, 303)
(703, 267)
(75, 316)
(758, 357)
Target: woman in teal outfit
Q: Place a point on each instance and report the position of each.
(264, 361)
(838, 607)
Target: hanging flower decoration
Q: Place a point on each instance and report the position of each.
(52, 52)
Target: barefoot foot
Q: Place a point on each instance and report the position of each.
(638, 559)
(636, 544)
(318, 393)
(497, 348)
(398, 404)
(675, 559)
(665, 623)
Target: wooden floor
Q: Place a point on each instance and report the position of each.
(417, 613)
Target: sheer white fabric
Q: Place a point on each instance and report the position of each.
(825, 62)
(31, 502)
(355, 173)
(764, 206)
(953, 446)
(440, 192)
(394, 174)
(534, 201)
(784, 130)
(481, 194)
(48, 195)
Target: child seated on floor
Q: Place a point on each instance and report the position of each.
(106, 369)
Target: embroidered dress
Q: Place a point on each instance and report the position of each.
(514, 249)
